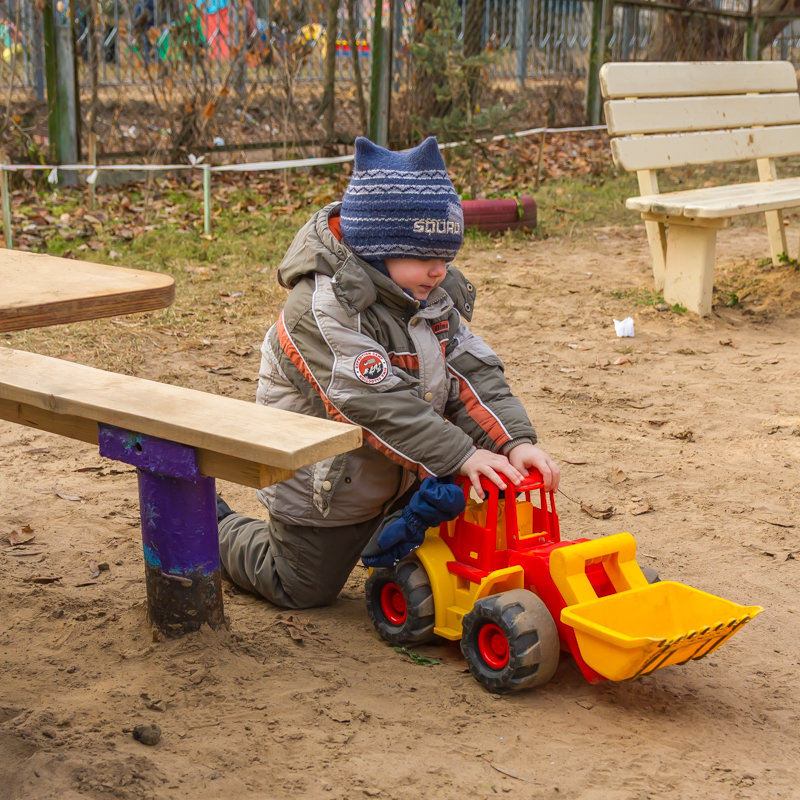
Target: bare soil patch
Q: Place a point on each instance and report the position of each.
(689, 431)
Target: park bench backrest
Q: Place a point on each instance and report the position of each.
(672, 114)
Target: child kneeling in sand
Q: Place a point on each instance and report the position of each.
(374, 333)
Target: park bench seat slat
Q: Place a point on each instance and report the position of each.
(236, 440)
(713, 202)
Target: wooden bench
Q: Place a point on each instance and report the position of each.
(676, 114)
(179, 440)
(38, 290)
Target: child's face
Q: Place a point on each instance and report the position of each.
(420, 276)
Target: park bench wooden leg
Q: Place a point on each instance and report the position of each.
(655, 228)
(689, 274)
(777, 235)
(179, 530)
(657, 239)
(774, 219)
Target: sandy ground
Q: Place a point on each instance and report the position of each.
(686, 435)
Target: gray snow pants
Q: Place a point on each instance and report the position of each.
(292, 566)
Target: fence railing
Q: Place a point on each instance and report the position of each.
(157, 47)
(534, 38)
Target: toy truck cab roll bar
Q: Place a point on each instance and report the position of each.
(500, 579)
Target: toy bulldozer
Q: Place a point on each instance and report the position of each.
(500, 579)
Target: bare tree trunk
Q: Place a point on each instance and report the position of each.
(686, 37)
(356, 56)
(95, 31)
(424, 84)
(328, 104)
(772, 27)
(473, 43)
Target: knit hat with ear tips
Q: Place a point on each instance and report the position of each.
(401, 205)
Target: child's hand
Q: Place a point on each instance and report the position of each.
(492, 466)
(526, 455)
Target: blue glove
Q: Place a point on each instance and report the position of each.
(437, 500)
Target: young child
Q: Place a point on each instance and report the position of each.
(374, 333)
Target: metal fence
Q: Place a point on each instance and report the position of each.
(166, 76)
(532, 38)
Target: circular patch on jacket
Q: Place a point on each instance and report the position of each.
(370, 367)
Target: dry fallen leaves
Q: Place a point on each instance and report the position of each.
(605, 512)
(617, 476)
(299, 629)
(25, 534)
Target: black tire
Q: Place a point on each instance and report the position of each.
(400, 603)
(510, 641)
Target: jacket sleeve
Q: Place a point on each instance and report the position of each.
(480, 401)
(323, 352)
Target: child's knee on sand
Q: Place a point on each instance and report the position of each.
(292, 566)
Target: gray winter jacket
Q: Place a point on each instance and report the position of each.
(351, 345)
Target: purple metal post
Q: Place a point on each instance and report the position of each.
(179, 530)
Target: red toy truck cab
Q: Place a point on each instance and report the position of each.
(500, 579)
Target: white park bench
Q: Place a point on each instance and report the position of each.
(677, 114)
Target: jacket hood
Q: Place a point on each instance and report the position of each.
(316, 251)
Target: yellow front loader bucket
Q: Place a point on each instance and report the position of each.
(625, 635)
(642, 627)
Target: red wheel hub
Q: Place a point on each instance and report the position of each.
(493, 646)
(393, 604)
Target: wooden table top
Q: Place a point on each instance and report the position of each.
(38, 290)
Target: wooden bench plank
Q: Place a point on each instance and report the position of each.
(661, 151)
(671, 79)
(715, 202)
(236, 440)
(83, 290)
(229, 468)
(668, 115)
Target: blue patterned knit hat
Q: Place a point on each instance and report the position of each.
(401, 205)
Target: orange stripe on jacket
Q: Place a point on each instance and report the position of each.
(478, 411)
(411, 466)
(287, 345)
(404, 360)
